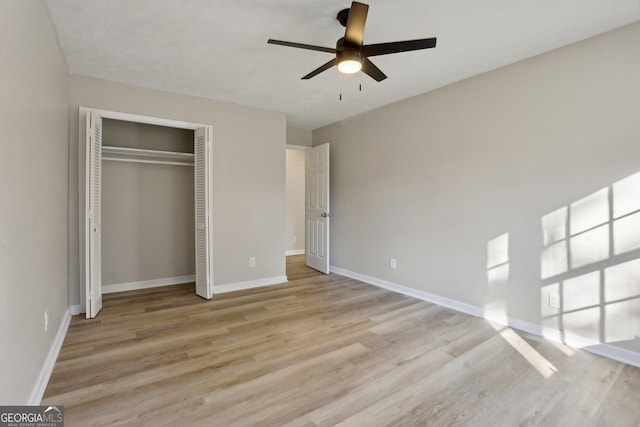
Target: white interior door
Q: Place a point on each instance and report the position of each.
(317, 207)
(93, 221)
(202, 147)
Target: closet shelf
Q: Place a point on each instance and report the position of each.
(139, 155)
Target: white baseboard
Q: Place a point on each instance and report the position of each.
(616, 353)
(144, 284)
(75, 310)
(45, 373)
(425, 296)
(295, 252)
(239, 286)
(602, 349)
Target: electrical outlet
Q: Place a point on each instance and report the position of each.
(554, 300)
(46, 320)
(294, 238)
(252, 261)
(392, 263)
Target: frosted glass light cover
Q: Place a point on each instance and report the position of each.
(349, 66)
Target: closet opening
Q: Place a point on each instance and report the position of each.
(148, 226)
(147, 205)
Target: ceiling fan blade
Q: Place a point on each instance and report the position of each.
(355, 23)
(302, 46)
(397, 47)
(320, 69)
(374, 72)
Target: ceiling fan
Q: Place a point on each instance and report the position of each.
(353, 56)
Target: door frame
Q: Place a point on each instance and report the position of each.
(83, 192)
(298, 148)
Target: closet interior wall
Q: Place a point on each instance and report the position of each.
(147, 208)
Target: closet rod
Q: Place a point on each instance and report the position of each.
(154, 162)
(108, 149)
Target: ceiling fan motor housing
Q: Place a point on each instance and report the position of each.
(349, 54)
(343, 17)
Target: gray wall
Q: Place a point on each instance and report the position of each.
(141, 135)
(297, 136)
(147, 209)
(295, 200)
(248, 177)
(435, 180)
(34, 83)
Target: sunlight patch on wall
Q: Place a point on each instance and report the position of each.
(626, 214)
(498, 275)
(589, 299)
(581, 305)
(498, 251)
(589, 212)
(553, 260)
(578, 312)
(584, 323)
(622, 281)
(626, 194)
(622, 301)
(554, 226)
(590, 246)
(582, 291)
(622, 321)
(626, 234)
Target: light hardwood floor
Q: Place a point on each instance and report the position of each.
(323, 350)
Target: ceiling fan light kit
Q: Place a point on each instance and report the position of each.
(349, 61)
(351, 55)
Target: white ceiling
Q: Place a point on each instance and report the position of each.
(218, 48)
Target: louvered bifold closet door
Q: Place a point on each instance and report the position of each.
(201, 176)
(95, 215)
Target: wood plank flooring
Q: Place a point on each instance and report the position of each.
(322, 351)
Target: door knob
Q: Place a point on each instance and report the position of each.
(325, 215)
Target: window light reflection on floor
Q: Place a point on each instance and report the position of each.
(542, 365)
